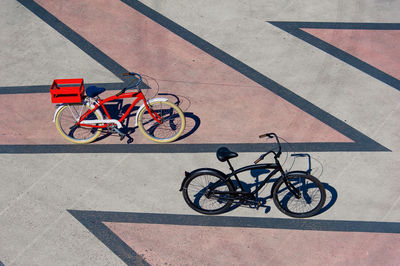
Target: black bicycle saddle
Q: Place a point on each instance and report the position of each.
(224, 154)
(93, 91)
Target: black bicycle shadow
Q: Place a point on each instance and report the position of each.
(331, 193)
(116, 109)
(329, 203)
(256, 173)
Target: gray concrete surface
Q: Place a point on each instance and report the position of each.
(37, 189)
(33, 53)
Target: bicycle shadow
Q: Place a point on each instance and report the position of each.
(331, 192)
(116, 109)
(248, 187)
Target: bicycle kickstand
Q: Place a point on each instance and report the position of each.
(121, 135)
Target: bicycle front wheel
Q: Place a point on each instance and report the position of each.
(310, 195)
(171, 126)
(208, 193)
(66, 123)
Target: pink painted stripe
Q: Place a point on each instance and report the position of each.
(203, 245)
(27, 119)
(378, 48)
(231, 107)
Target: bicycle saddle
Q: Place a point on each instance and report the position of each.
(224, 154)
(93, 91)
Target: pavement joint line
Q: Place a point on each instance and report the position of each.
(63, 213)
(207, 83)
(385, 120)
(394, 204)
(48, 227)
(31, 186)
(54, 221)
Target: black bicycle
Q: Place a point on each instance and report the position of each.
(210, 191)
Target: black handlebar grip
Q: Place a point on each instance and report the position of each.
(257, 161)
(126, 74)
(269, 135)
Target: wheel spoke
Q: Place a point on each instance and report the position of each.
(171, 126)
(311, 200)
(202, 194)
(66, 122)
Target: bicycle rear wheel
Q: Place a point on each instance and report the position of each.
(172, 122)
(66, 119)
(311, 191)
(201, 192)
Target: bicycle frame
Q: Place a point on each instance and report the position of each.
(276, 168)
(295, 193)
(100, 103)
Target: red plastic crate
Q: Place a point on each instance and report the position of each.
(67, 91)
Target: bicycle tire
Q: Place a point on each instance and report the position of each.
(312, 197)
(66, 119)
(198, 185)
(172, 126)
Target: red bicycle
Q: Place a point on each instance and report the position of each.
(79, 118)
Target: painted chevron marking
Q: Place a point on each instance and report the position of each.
(366, 46)
(358, 140)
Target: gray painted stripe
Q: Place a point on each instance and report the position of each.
(46, 88)
(234, 221)
(184, 148)
(93, 221)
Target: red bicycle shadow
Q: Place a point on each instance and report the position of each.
(117, 108)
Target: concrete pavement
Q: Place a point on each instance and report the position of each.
(319, 78)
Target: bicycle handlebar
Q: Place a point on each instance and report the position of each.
(265, 135)
(138, 76)
(262, 156)
(270, 135)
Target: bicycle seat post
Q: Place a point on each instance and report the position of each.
(230, 165)
(234, 174)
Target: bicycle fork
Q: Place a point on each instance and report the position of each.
(292, 189)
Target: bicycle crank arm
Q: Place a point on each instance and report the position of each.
(102, 121)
